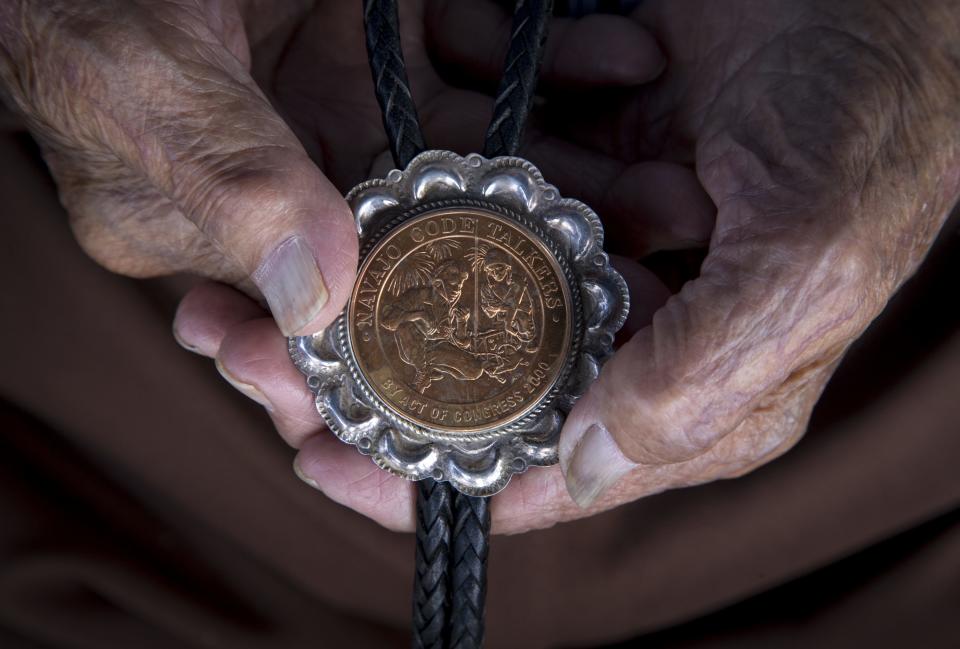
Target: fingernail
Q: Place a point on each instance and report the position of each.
(303, 476)
(292, 284)
(595, 465)
(247, 389)
(183, 343)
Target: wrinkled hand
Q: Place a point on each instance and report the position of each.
(169, 157)
(813, 145)
(826, 134)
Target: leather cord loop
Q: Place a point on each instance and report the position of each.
(471, 538)
(382, 29)
(531, 21)
(453, 529)
(431, 578)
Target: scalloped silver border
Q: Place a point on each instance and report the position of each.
(479, 464)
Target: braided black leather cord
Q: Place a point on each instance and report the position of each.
(382, 28)
(453, 529)
(531, 21)
(431, 579)
(450, 582)
(471, 536)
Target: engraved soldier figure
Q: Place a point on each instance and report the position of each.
(438, 336)
(504, 300)
(430, 328)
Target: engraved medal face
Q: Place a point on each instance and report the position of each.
(483, 308)
(460, 320)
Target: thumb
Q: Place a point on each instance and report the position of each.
(160, 94)
(237, 171)
(771, 306)
(271, 211)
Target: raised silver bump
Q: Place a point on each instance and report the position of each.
(514, 187)
(338, 416)
(437, 181)
(598, 303)
(367, 205)
(574, 231)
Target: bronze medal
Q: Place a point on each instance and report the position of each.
(460, 320)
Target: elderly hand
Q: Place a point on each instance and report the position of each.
(827, 136)
(167, 154)
(813, 144)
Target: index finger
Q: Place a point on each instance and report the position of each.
(593, 51)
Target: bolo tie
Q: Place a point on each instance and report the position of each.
(483, 307)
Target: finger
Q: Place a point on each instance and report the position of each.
(647, 295)
(253, 357)
(354, 481)
(597, 50)
(456, 119)
(540, 498)
(771, 302)
(578, 171)
(655, 206)
(207, 312)
(534, 500)
(773, 427)
(259, 199)
(646, 207)
(170, 103)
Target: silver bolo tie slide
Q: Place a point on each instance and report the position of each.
(483, 308)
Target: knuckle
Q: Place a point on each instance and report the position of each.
(108, 238)
(234, 199)
(654, 416)
(680, 386)
(123, 223)
(845, 290)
